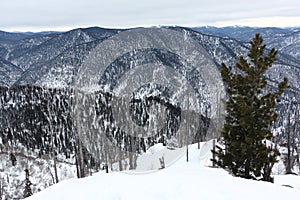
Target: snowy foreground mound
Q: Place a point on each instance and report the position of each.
(181, 180)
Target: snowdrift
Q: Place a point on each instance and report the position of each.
(181, 180)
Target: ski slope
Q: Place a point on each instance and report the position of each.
(180, 180)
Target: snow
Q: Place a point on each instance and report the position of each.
(41, 172)
(181, 180)
(288, 180)
(149, 162)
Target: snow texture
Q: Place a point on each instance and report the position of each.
(182, 180)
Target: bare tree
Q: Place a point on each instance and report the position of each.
(292, 136)
(288, 159)
(50, 118)
(1, 188)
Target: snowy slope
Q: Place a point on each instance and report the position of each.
(182, 180)
(41, 172)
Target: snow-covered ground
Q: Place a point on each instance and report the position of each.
(181, 180)
(41, 170)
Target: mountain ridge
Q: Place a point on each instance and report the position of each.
(46, 47)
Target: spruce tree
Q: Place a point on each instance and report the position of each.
(27, 190)
(250, 113)
(13, 159)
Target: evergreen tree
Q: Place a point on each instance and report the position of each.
(27, 190)
(13, 159)
(250, 112)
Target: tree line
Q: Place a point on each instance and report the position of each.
(51, 121)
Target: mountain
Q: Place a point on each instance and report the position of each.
(244, 33)
(44, 48)
(286, 40)
(9, 73)
(45, 118)
(29, 51)
(7, 37)
(225, 49)
(52, 59)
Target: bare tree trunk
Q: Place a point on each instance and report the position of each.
(297, 127)
(81, 160)
(200, 128)
(50, 118)
(120, 159)
(187, 128)
(187, 153)
(130, 153)
(135, 156)
(214, 155)
(55, 170)
(288, 164)
(106, 157)
(1, 189)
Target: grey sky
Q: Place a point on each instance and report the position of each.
(42, 15)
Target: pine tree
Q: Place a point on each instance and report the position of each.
(250, 112)
(27, 190)
(13, 159)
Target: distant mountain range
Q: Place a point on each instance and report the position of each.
(286, 40)
(53, 58)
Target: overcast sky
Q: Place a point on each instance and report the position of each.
(44, 15)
